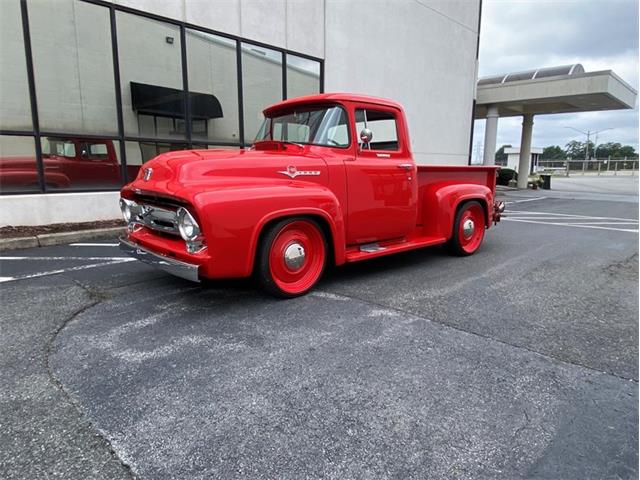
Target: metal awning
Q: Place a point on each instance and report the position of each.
(169, 102)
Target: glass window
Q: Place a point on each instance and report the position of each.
(18, 166)
(81, 163)
(216, 147)
(303, 76)
(73, 67)
(318, 126)
(141, 152)
(382, 125)
(261, 84)
(15, 107)
(151, 76)
(213, 86)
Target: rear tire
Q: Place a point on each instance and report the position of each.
(291, 258)
(468, 229)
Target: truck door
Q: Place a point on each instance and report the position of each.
(381, 181)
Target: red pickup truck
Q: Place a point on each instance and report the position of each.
(329, 179)
(68, 163)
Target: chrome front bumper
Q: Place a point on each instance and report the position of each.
(169, 265)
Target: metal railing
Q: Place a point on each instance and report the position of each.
(595, 166)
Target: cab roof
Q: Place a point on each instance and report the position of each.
(330, 98)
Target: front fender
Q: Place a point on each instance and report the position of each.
(441, 203)
(233, 219)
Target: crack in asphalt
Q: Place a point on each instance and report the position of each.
(97, 299)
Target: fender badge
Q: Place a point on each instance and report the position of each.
(293, 172)
(147, 174)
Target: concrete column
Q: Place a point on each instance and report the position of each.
(525, 150)
(490, 136)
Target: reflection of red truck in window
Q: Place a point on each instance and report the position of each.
(329, 179)
(68, 163)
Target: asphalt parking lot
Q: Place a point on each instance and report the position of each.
(518, 362)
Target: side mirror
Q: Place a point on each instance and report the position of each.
(365, 136)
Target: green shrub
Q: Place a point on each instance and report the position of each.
(506, 174)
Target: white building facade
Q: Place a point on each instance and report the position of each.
(513, 158)
(100, 87)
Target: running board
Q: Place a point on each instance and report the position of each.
(371, 247)
(373, 250)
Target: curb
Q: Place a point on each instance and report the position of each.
(48, 239)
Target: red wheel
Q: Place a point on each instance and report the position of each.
(291, 257)
(468, 229)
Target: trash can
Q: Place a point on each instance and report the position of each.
(546, 182)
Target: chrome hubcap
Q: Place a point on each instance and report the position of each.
(294, 256)
(468, 227)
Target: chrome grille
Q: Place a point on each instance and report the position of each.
(159, 219)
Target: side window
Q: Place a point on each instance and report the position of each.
(58, 147)
(94, 151)
(384, 128)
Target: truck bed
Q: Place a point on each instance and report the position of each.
(434, 180)
(471, 174)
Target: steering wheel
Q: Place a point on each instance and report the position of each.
(331, 140)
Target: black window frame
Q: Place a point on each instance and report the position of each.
(121, 137)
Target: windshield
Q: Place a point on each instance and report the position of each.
(326, 126)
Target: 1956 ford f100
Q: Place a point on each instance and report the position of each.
(329, 179)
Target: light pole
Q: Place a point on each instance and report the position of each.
(588, 133)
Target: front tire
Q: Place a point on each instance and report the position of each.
(468, 229)
(291, 257)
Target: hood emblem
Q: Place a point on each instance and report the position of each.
(293, 172)
(147, 174)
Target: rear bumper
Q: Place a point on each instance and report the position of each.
(175, 267)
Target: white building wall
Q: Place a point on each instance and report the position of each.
(422, 54)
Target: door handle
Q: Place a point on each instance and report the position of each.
(405, 166)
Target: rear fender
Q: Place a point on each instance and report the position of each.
(441, 203)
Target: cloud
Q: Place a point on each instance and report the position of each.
(521, 35)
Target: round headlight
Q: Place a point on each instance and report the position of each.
(125, 208)
(187, 225)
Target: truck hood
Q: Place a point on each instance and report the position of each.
(196, 170)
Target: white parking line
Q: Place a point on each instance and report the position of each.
(569, 224)
(63, 270)
(525, 200)
(93, 244)
(63, 258)
(554, 214)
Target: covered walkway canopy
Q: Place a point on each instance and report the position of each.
(563, 89)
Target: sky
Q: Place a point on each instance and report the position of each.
(518, 35)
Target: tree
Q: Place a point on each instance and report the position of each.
(605, 150)
(553, 152)
(626, 151)
(615, 150)
(501, 157)
(576, 149)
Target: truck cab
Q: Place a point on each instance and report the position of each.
(329, 178)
